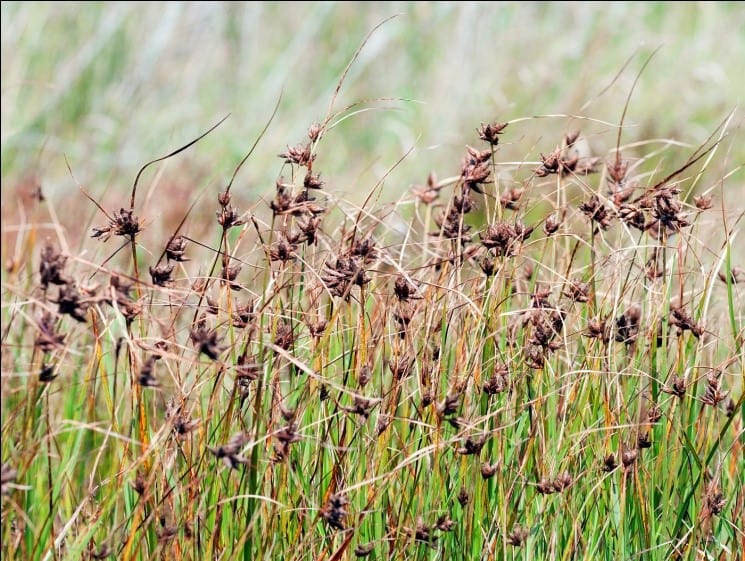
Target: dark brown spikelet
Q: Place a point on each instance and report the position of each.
(545, 487)
(654, 413)
(552, 223)
(129, 308)
(476, 170)
(335, 511)
(667, 216)
(401, 366)
(498, 382)
(577, 291)
(48, 339)
(676, 386)
(146, 378)
(243, 314)
(518, 535)
(70, 301)
(363, 550)
(362, 406)
(715, 500)
(228, 217)
(472, 446)
(549, 164)
(139, 485)
(643, 440)
(597, 212)
(714, 395)
(312, 181)
(703, 202)
(684, 321)
(167, 534)
(444, 523)
(176, 249)
(404, 289)
(47, 373)
(124, 223)
(488, 264)
(284, 335)
(229, 273)
(563, 481)
(314, 132)
(52, 267)
(230, 453)
(610, 463)
(383, 422)
(161, 274)
(632, 216)
(450, 404)
(598, 329)
(284, 437)
(283, 249)
(183, 424)
(206, 342)
(463, 497)
(627, 325)
(490, 133)
(628, 458)
(423, 533)
(489, 470)
(299, 155)
(510, 199)
(505, 239)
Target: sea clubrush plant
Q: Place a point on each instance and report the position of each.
(546, 364)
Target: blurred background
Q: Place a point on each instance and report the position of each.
(110, 86)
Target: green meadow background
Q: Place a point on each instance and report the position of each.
(112, 85)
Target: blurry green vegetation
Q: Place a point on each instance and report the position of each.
(112, 85)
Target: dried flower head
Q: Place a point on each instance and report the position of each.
(176, 248)
(228, 217)
(577, 291)
(472, 445)
(161, 274)
(610, 463)
(363, 550)
(498, 382)
(489, 470)
(72, 302)
(300, 155)
(52, 267)
(597, 212)
(490, 133)
(124, 223)
(676, 386)
(627, 325)
(684, 321)
(146, 378)
(206, 341)
(230, 453)
(703, 202)
(518, 535)
(48, 339)
(335, 511)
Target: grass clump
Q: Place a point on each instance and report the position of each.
(538, 359)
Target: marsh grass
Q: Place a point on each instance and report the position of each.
(521, 360)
